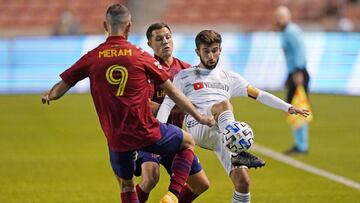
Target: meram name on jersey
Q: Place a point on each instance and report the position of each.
(212, 85)
(114, 53)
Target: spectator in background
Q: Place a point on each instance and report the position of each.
(294, 50)
(336, 9)
(345, 24)
(67, 25)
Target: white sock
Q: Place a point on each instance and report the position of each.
(241, 197)
(225, 118)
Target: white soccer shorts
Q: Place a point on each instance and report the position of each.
(209, 138)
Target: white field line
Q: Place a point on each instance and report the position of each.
(300, 165)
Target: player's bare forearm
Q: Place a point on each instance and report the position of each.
(56, 92)
(177, 110)
(184, 103)
(156, 106)
(180, 99)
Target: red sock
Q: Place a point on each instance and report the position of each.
(186, 195)
(180, 170)
(143, 196)
(129, 197)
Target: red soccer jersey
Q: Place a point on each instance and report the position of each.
(119, 76)
(159, 94)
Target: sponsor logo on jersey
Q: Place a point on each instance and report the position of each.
(213, 85)
(198, 85)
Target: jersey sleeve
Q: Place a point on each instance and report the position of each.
(168, 104)
(76, 72)
(165, 109)
(238, 85)
(154, 68)
(178, 82)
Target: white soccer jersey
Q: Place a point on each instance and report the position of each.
(206, 87)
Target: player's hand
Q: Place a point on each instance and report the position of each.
(45, 98)
(207, 120)
(303, 112)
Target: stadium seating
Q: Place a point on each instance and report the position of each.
(352, 12)
(44, 15)
(40, 17)
(256, 14)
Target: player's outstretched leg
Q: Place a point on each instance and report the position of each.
(247, 159)
(223, 114)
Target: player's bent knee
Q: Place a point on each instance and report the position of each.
(149, 183)
(150, 176)
(202, 187)
(217, 108)
(198, 183)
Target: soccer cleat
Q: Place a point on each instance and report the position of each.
(169, 198)
(246, 159)
(295, 150)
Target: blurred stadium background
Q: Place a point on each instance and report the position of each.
(46, 156)
(34, 50)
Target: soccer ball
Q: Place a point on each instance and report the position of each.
(238, 137)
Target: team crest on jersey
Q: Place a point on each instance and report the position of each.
(197, 73)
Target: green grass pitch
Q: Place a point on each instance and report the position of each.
(57, 153)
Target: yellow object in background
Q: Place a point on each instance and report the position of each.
(300, 100)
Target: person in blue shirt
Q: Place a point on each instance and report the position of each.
(295, 55)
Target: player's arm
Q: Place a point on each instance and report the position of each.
(181, 101)
(165, 109)
(177, 110)
(56, 92)
(273, 101)
(156, 106)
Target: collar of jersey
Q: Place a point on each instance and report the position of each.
(162, 62)
(115, 38)
(204, 70)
